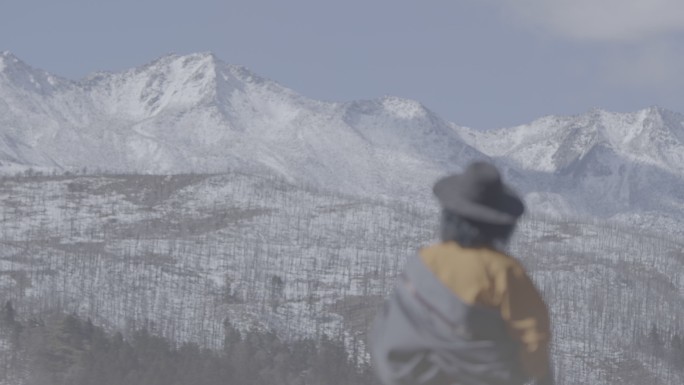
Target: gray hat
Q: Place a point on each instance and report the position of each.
(480, 195)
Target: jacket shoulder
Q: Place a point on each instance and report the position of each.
(476, 275)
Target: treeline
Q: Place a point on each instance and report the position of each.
(65, 349)
(663, 348)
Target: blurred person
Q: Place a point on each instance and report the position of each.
(464, 312)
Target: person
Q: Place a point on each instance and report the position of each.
(463, 312)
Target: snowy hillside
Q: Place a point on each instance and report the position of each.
(181, 255)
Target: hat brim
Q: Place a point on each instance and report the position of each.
(508, 208)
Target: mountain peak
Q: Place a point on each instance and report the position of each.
(177, 62)
(667, 118)
(8, 59)
(207, 57)
(20, 75)
(8, 55)
(403, 108)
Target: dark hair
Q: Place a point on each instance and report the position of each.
(471, 233)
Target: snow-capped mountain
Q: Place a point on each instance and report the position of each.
(597, 163)
(560, 144)
(197, 114)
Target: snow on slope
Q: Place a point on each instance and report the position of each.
(195, 113)
(38, 112)
(652, 136)
(182, 254)
(597, 163)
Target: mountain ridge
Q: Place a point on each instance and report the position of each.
(195, 113)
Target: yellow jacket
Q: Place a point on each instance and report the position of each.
(489, 278)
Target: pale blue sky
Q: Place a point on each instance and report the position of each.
(480, 63)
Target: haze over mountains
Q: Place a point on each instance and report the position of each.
(195, 113)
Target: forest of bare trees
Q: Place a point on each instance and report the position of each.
(188, 258)
(65, 349)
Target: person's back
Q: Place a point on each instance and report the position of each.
(464, 312)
